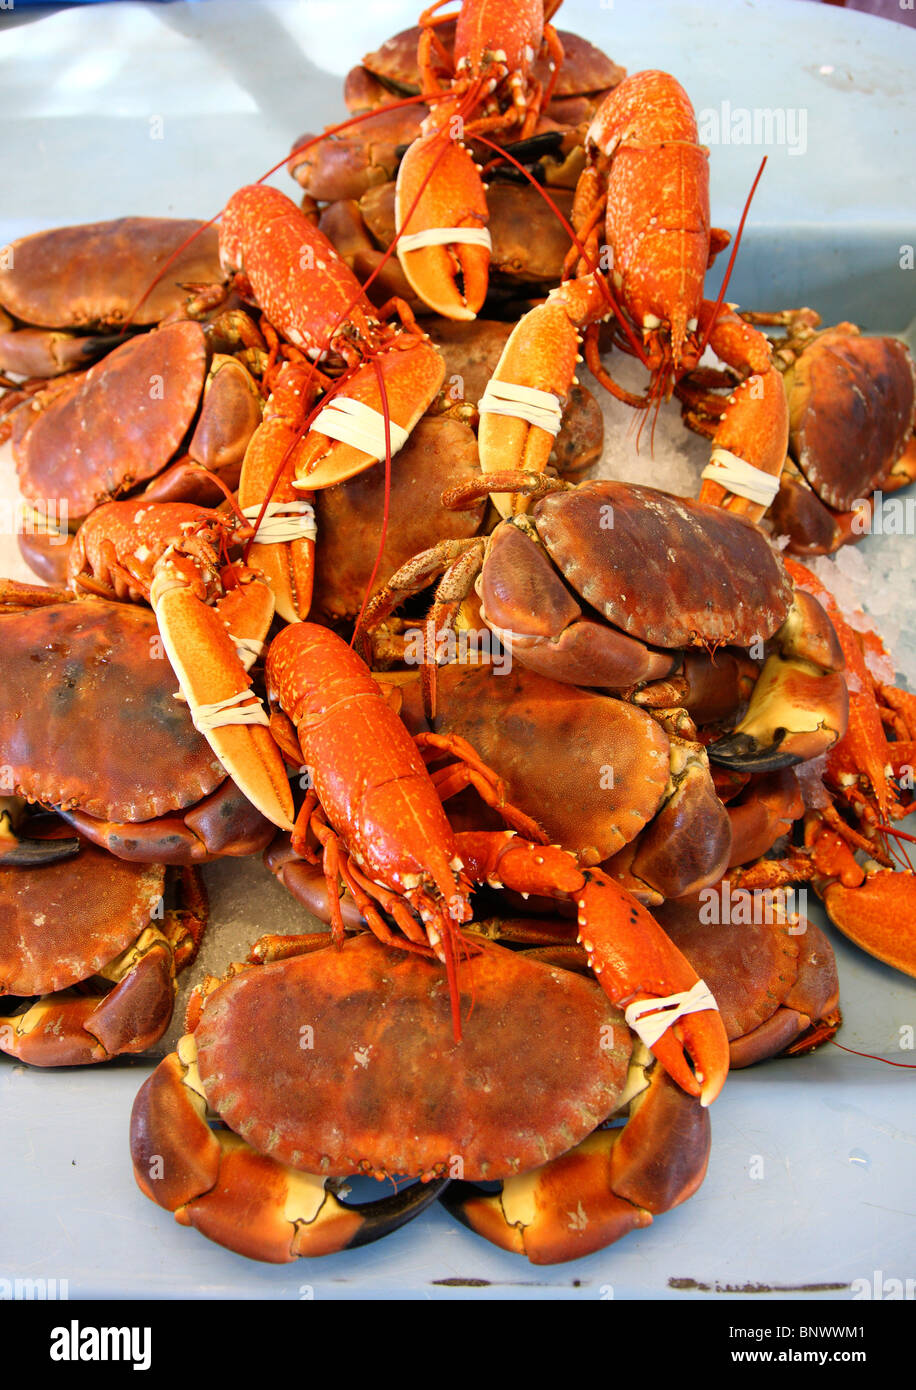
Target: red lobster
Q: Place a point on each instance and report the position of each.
(376, 812)
(647, 185)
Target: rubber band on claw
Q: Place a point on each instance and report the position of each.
(540, 408)
(741, 477)
(650, 1018)
(355, 423)
(229, 711)
(282, 522)
(445, 236)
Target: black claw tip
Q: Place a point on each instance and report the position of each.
(743, 753)
(34, 854)
(388, 1213)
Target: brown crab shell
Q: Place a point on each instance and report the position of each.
(92, 276)
(554, 746)
(88, 715)
(98, 433)
(379, 1084)
(851, 403)
(62, 922)
(668, 571)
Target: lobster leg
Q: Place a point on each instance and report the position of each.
(615, 1181)
(216, 1182)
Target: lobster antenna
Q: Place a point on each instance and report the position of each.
(872, 1057)
(731, 259)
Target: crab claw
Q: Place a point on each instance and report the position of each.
(252, 1204)
(615, 1181)
(213, 681)
(799, 707)
(638, 967)
(16, 853)
(439, 190)
(348, 436)
(796, 712)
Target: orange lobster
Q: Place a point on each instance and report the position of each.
(391, 377)
(647, 185)
(441, 206)
(376, 812)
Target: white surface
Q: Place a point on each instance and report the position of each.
(234, 84)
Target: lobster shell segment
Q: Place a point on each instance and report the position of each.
(668, 571)
(385, 1088)
(88, 715)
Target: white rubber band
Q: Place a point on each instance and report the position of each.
(353, 422)
(229, 711)
(540, 408)
(444, 236)
(650, 1018)
(283, 521)
(248, 648)
(741, 477)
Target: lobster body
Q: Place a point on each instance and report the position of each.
(658, 222)
(366, 769)
(297, 277)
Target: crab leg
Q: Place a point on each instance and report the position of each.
(636, 964)
(252, 1204)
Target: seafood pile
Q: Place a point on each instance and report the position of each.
(518, 739)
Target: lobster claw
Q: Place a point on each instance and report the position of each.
(285, 535)
(206, 660)
(639, 966)
(521, 409)
(877, 916)
(348, 436)
(439, 189)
